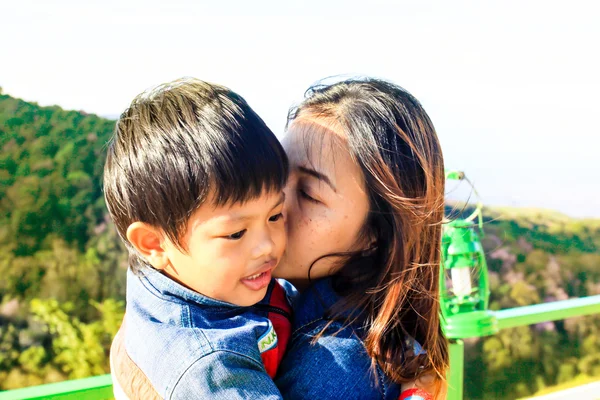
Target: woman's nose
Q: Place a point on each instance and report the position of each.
(286, 201)
(289, 191)
(289, 205)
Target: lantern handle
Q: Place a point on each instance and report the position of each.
(477, 213)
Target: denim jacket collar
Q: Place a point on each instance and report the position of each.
(166, 288)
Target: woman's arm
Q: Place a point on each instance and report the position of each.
(429, 383)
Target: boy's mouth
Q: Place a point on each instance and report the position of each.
(261, 279)
(251, 278)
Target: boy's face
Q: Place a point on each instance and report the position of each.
(231, 250)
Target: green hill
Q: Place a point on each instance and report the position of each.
(50, 174)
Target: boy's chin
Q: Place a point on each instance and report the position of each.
(252, 298)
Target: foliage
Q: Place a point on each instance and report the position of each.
(536, 256)
(61, 262)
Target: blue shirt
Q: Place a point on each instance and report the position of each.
(337, 366)
(194, 347)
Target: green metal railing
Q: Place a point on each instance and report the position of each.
(95, 388)
(510, 318)
(100, 387)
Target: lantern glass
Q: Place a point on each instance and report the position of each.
(461, 281)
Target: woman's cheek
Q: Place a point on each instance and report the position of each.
(325, 237)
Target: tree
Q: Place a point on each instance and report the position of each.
(79, 349)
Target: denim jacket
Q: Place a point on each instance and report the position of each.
(193, 347)
(337, 366)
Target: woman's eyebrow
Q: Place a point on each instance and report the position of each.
(319, 175)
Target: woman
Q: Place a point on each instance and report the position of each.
(364, 204)
(364, 207)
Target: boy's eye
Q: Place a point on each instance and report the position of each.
(276, 217)
(237, 235)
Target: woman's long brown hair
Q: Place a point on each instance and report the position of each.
(392, 285)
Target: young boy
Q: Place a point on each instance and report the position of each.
(193, 182)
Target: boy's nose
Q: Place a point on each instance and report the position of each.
(264, 247)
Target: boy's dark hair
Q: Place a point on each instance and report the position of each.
(180, 142)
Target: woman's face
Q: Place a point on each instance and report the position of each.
(326, 203)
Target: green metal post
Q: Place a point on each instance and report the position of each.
(457, 368)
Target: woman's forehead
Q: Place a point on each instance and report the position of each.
(319, 145)
(314, 140)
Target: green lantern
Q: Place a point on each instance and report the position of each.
(464, 285)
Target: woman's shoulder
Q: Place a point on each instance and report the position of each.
(327, 358)
(311, 306)
(333, 365)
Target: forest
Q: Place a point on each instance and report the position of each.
(62, 268)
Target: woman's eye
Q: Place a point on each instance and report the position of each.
(305, 196)
(237, 235)
(276, 217)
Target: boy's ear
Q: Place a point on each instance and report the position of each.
(148, 241)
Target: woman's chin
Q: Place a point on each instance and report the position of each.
(291, 275)
(282, 272)
(286, 269)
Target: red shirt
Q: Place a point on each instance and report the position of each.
(279, 313)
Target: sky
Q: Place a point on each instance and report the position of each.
(512, 87)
